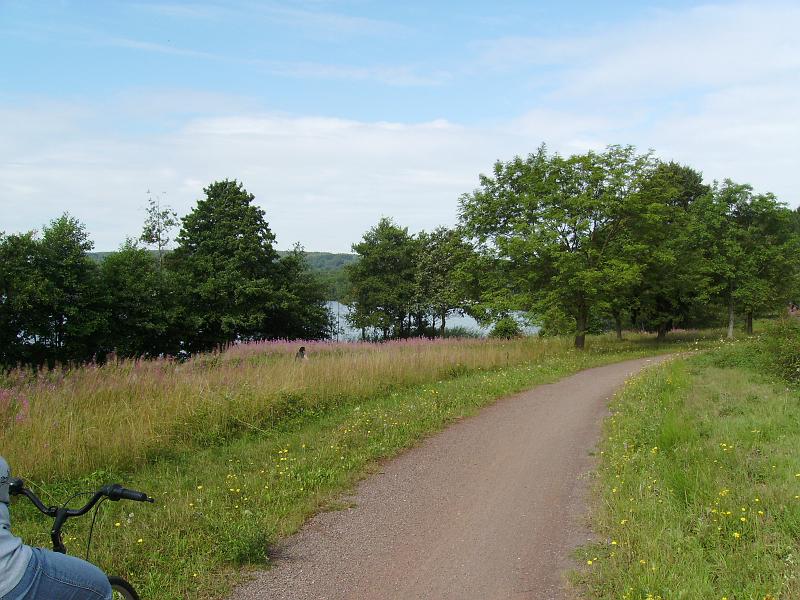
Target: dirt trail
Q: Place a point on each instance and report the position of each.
(488, 509)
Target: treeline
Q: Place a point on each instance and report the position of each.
(585, 243)
(224, 282)
(577, 244)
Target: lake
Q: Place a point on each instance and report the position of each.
(340, 311)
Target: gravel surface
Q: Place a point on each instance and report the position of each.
(489, 508)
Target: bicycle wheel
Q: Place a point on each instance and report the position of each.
(122, 590)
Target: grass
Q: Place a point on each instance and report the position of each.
(698, 491)
(240, 448)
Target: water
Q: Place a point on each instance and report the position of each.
(339, 312)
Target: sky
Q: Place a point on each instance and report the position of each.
(335, 113)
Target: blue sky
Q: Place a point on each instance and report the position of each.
(336, 113)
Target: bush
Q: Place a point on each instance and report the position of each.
(782, 348)
(461, 332)
(506, 328)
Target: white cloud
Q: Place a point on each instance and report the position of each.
(715, 87)
(322, 181)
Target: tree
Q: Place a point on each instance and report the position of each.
(754, 252)
(559, 226)
(21, 289)
(301, 311)
(771, 249)
(72, 316)
(441, 275)
(138, 324)
(226, 257)
(157, 226)
(382, 280)
(676, 280)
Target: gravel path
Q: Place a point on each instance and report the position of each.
(488, 509)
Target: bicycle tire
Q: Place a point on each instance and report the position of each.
(121, 589)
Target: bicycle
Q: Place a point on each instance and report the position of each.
(114, 492)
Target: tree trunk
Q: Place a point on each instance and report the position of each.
(730, 316)
(618, 324)
(749, 323)
(580, 321)
(444, 317)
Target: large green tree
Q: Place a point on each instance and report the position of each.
(237, 288)
(142, 304)
(443, 277)
(559, 227)
(22, 287)
(383, 280)
(754, 250)
(71, 302)
(229, 266)
(677, 279)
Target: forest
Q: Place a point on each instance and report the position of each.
(586, 243)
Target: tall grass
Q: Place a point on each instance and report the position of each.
(240, 447)
(116, 416)
(698, 491)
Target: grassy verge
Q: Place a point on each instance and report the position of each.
(222, 499)
(698, 494)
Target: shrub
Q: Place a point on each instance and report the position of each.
(460, 331)
(782, 348)
(506, 328)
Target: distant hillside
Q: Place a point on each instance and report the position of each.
(326, 261)
(329, 267)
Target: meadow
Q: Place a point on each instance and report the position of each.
(240, 447)
(698, 489)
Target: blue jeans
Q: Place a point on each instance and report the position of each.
(53, 576)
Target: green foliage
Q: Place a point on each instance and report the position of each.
(60, 303)
(21, 287)
(677, 279)
(237, 288)
(751, 249)
(506, 328)
(383, 280)
(775, 350)
(51, 310)
(442, 275)
(559, 228)
(329, 269)
(300, 310)
(142, 304)
(157, 225)
(461, 332)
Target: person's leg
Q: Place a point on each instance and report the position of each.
(53, 576)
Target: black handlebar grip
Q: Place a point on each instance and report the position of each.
(15, 486)
(117, 492)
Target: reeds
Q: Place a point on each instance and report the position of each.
(68, 424)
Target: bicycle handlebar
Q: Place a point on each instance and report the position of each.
(113, 492)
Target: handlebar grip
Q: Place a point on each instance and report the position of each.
(117, 492)
(15, 486)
